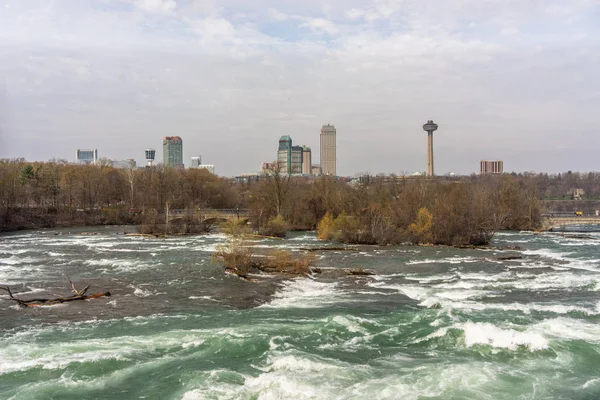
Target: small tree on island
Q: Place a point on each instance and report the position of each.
(420, 230)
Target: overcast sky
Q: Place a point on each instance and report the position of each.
(517, 80)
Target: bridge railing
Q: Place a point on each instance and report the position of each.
(204, 211)
(569, 215)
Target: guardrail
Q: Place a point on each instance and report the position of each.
(227, 211)
(569, 215)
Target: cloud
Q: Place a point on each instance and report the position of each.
(156, 6)
(230, 77)
(213, 27)
(354, 13)
(277, 15)
(319, 25)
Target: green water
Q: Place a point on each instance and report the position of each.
(433, 323)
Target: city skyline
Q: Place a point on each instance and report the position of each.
(508, 80)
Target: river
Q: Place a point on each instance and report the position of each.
(433, 323)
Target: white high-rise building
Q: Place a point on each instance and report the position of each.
(328, 151)
(196, 161)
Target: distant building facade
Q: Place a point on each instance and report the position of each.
(87, 156)
(292, 160)
(328, 150)
(268, 167)
(284, 154)
(196, 161)
(296, 160)
(491, 167)
(128, 163)
(315, 169)
(173, 151)
(576, 194)
(209, 167)
(306, 161)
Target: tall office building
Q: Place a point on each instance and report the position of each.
(87, 156)
(328, 154)
(306, 161)
(491, 167)
(196, 161)
(173, 151)
(296, 160)
(284, 154)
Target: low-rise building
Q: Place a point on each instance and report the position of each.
(491, 167)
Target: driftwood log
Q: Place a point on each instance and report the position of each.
(78, 295)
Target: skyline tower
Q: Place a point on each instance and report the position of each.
(328, 150)
(150, 155)
(430, 127)
(296, 161)
(306, 160)
(173, 151)
(284, 154)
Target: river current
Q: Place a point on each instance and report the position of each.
(433, 323)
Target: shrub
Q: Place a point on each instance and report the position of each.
(284, 261)
(420, 230)
(234, 228)
(235, 255)
(276, 227)
(325, 229)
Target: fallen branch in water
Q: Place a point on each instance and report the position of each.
(358, 271)
(79, 295)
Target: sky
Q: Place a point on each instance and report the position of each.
(516, 80)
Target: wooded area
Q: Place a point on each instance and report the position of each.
(465, 210)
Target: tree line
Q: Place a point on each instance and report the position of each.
(378, 210)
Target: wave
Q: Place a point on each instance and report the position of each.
(446, 260)
(485, 333)
(305, 293)
(551, 254)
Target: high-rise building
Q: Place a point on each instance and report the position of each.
(150, 155)
(87, 156)
(296, 159)
(284, 154)
(328, 153)
(196, 161)
(173, 151)
(491, 167)
(306, 161)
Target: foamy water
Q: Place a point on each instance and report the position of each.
(432, 323)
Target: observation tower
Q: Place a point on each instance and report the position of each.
(150, 155)
(429, 127)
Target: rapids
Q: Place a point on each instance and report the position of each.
(434, 322)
